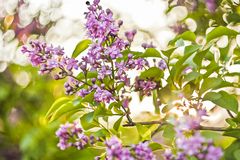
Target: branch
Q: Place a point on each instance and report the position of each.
(221, 129)
(130, 121)
(230, 114)
(144, 123)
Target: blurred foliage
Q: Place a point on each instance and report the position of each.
(23, 132)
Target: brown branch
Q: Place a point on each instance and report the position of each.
(144, 123)
(221, 129)
(130, 121)
(230, 113)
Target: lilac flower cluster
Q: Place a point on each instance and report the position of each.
(145, 86)
(71, 135)
(143, 152)
(190, 143)
(115, 150)
(48, 58)
(104, 57)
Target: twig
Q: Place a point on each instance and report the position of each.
(230, 114)
(221, 129)
(130, 121)
(164, 123)
(144, 123)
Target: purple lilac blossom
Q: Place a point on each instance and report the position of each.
(162, 64)
(100, 23)
(71, 135)
(115, 150)
(148, 45)
(211, 5)
(143, 152)
(101, 57)
(189, 141)
(130, 35)
(49, 57)
(214, 153)
(102, 95)
(146, 86)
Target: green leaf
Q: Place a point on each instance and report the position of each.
(155, 146)
(199, 57)
(179, 43)
(89, 75)
(179, 66)
(150, 52)
(101, 133)
(81, 46)
(144, 132)
(87, 121)
(237, 154)
(193, 158)
(169, 52)
(231, 122)
(129, 135)
(56, 105)
(232, 133)
(152, 73)
(211, 68)
(64, 109)
(220, 31)
(117, 123)
(236, 51)
(191, 76)
(213, 83)
(188, 35)
(169, 131)
(223, 99)
(224, 52)
(188, 89)
(89, 98)
(191, 49)
(229, 151)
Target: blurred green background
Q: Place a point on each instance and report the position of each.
(25, 98)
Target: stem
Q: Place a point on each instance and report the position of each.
(167, 62)
(130, 121)
(70, 75)
(80, 80)
(222, 129)
(112, 66)
(144, 123)
(230, 114)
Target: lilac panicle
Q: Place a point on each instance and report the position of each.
(48, 58)
(146, 86)
(102, 95)
(143, 152)
(115, 150)
(71, 135)
(189, 141)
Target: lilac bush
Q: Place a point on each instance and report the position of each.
(98, 78)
